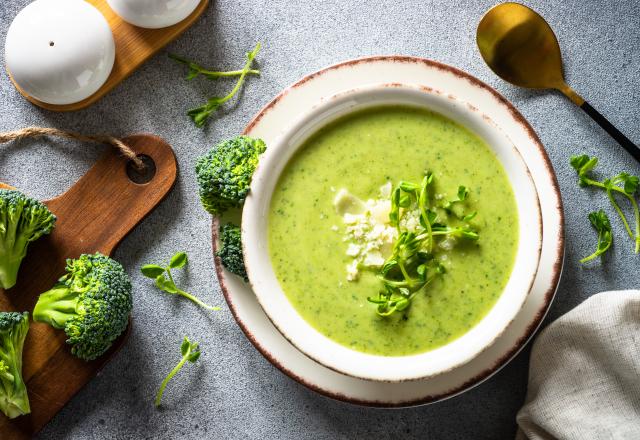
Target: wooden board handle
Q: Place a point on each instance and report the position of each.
(106, 204)
(94, 215)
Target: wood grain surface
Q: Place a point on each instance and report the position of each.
(134, 46)
(94, 215)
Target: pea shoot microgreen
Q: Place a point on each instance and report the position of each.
(196, 70)
(201, 114)
(462, 194)
(412, 264)
(623, 184)
(165, 281)
(601, 224)
(190, 353)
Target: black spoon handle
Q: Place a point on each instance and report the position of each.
(613, 131)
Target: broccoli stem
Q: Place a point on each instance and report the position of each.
(4, 374)
(9, 271)
(56, 306)
(13, 251)
(173, 372)
(14, 399)
(17, 404)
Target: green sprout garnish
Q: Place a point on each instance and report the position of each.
(601, 223)
(200, 114)
(412, 264)
(196, 69)
(190, 352)
(622, 184)
(462, 194)
(165, 281)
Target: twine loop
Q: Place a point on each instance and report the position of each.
(32, 132)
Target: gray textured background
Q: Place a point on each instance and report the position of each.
(233, 392)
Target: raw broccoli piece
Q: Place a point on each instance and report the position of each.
(224, 173)
(91, 302)
(14, 400)
(230, 252)
(22, 220)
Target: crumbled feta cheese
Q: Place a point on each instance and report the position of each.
(373, 259)
(368, 232)
(352, 271)
(347, 203)
(448, 243)
(334, 228)
(380, 211)
(385, 191)
(410, 220)
(353, 249)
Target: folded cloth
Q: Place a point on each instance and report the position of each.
(584, 375)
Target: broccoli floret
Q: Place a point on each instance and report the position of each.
(224, 173)
(22, 220)
(91, 302)
(14, 400)
(230, 252)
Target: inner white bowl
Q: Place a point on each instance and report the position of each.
(336, 356)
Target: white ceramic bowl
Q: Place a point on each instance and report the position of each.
(338, 357)
(59, 51)
(153, 14)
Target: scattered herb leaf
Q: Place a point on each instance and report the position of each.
(622, 184)
(196, 69)
(601, 223)
(164, 280)
(190, 353)
(201, 114)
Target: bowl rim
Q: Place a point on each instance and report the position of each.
(259, 331)
(289, 141)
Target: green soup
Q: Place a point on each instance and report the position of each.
(361, 152)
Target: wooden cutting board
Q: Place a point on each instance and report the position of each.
(94, 215)
(134, 46)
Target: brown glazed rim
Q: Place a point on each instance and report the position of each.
(556, 270)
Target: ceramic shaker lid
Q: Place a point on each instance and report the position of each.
(153, 14)
(59, 51)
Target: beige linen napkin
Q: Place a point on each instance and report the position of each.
(584, 375)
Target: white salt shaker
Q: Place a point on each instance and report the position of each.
(153, 14)
(59, 51)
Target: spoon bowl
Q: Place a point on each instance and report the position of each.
(521, 48)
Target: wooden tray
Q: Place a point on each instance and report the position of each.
(94, 215)
(134, 46)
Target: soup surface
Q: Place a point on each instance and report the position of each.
(361, 152)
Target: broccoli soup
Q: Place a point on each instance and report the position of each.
(393, 230)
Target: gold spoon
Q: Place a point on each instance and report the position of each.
(521, 48)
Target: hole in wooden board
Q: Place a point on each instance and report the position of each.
(142, 176)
